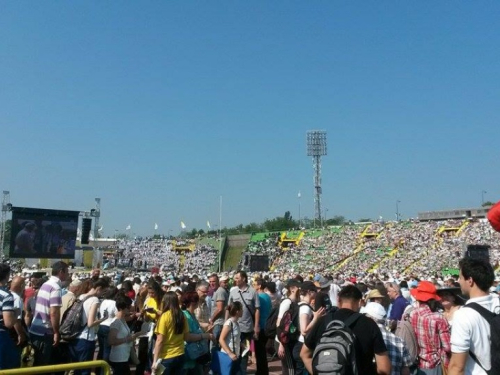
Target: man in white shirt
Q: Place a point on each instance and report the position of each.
(470, 330)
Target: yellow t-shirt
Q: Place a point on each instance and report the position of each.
(173, 344)
(151, 302)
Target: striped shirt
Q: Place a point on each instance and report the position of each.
(48, 296)
(6, 304)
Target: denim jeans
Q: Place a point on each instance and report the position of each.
(173, 366)
(82, 350)
(104, 347)
(10, 355)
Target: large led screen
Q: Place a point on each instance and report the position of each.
(41, 233)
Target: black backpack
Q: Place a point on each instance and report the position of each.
(494, 322)
(72, 320)
(288, 329)
(335, 353)
(270, 328)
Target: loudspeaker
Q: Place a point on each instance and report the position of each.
(477, 252)
(86, 227)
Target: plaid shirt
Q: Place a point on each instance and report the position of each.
(398, 354)
(433, 337)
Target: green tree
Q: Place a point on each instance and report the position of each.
(336, 220)
(487, 204)
(365, 220)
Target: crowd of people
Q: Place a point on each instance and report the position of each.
(170, 323)
(147, 253)
(411, 247)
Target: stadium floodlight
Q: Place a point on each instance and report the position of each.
(316, 147)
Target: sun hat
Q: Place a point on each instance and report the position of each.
(374, 293)
(323, 282)
(425, 291)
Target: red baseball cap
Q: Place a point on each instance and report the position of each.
(494, 216)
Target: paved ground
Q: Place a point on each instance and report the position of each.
(274, 367)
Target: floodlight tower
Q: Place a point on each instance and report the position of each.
(316, 147)
(6, 207)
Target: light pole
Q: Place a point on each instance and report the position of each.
(397, 209)
(298, 196)
(482, 197)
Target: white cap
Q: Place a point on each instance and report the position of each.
(375, 310)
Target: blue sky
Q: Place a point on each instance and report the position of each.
(161, 107)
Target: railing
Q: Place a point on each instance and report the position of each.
(55, 368)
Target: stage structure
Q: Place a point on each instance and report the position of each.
(316, 147)
(45, 236)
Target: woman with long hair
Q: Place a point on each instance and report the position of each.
(171, 332)
(120, 338)
(189, 302)
(151, 312)
(307, 318)
(431, 330)
(82, 349)
(285, 351)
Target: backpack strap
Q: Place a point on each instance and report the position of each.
(485, 313)
(352, 319)
(488, 316)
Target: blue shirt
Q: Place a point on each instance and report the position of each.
(265, 309)
(398, 307)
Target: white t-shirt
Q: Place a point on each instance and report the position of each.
(18, 305)
(229, 338)
(120, 353)
(307, 310)
(108, 306)
(470, 332)
(88, 333)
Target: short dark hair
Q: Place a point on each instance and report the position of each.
(350, 292)
(271, 286)
(58, 267)
(100, 283)
(122, 302)
(4, 271)
(479, 270)
(243, 274)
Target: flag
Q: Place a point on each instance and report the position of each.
(183, 226)
(156, 226)
(208, 224)
(128, 227)
(298, 195)
(100, 228)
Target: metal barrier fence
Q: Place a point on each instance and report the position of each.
(55, 368)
